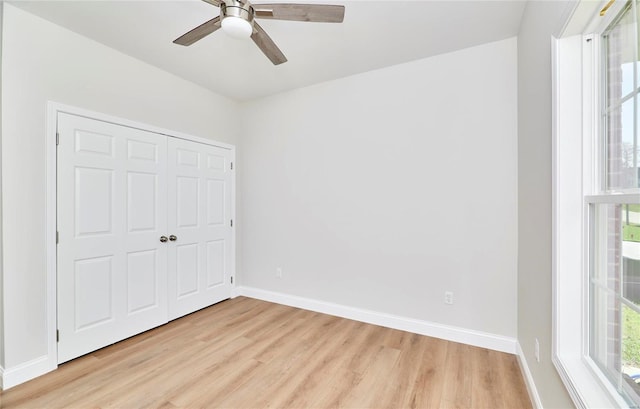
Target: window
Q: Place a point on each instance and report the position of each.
(614, 212)
(597, 206)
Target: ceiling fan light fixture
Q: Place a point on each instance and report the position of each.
(237, 27)
(237, 20)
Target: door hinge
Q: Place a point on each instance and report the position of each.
(231, 279)
(57, 138)
(231, 222)
(231, 165)
(57, 335)
(57, 237)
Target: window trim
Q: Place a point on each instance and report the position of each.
(576, 125)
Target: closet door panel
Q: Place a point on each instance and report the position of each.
(199, 217)
(111, 213)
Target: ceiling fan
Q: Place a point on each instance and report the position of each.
(237, 20)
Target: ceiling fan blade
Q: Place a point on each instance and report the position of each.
(214, 2)
(199, 32)
(266, 44)
(322, 13)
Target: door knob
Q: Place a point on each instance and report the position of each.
(173, 238)
(163, 239)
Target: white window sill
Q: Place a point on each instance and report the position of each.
(584, 386)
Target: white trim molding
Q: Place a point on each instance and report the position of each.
(534, 396)
(450, 333)
(26, 371)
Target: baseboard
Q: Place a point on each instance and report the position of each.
(450, 333)
(528, 378)
(26, 371)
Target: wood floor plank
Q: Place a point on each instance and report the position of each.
(289, 367)
(371, 390)
(458, 377)
(486, 379)
(310, 380)
(420, 374)
(334, 385)
(246, 353)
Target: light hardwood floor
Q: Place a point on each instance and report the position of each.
(245, 353)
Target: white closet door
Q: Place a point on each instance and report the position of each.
(200, 259)
(112, 194)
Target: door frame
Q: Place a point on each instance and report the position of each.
(51, 210)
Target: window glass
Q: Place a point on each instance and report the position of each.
(630, 345)
(614, 295)
(620, 56)
(614, 223)
(620, 105)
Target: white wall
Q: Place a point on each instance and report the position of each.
(382, 190)
(44, 62)
(541, 20)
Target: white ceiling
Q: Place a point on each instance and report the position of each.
(374, 34)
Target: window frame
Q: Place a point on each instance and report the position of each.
(576, 178)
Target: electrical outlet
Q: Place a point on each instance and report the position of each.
(279, 272)
(448, 297)
(537, 350)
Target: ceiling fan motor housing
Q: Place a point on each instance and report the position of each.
(234, 8)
